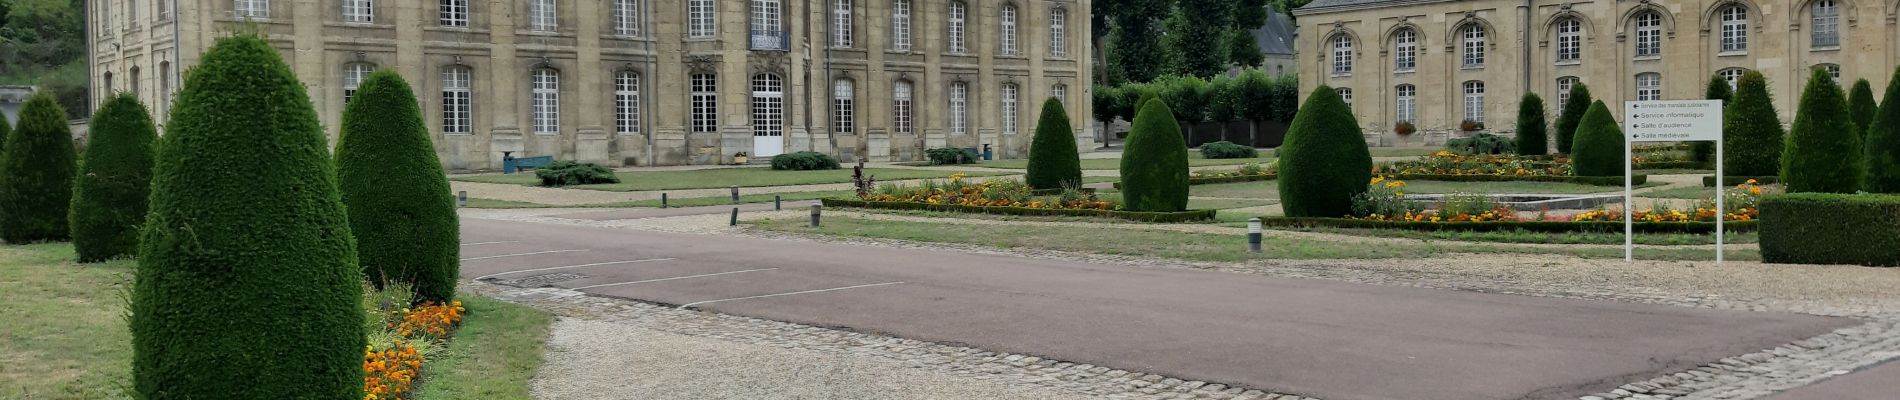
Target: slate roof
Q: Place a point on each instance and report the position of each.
(1275, 37)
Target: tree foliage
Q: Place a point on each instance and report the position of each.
(1054, 161)
(1751, 129)
(1883, 142)
(1823, 152)
(1154, 167)
(1324, 161)
(1571, 116)
(1187, 96)
(1598, 150)
(109, 196)
(399, 203)
(1717, 89)
(37, 186)
(1198, 36)
(1532, 138)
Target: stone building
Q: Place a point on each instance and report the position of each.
(1438, 63)
(647, 82)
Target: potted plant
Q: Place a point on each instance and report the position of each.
(1471, 126)
(739, 158)
(1404, 128)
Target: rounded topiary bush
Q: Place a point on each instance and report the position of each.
(1154, 162)
(568, 172)
(1883, 142)
(1598, 150)
(398, 199)
(804, 161)
(36, 187)
(247, 285)
(1054, 161)
(1574, 108)
(1225, 149)
(1532, 138)
(1324, 161)
(1823, 151)
(114, 180)
(1751, 130)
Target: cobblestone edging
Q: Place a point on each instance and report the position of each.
(963, 361)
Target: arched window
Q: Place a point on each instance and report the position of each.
(1474, 101)
(1569, 40)
(1564, 85)
(1648, 86)
(1405, 50)
(1407, 107)
(1833, 71)
(353, 74)
(959, 15)
(1734, 29)
(768, 105)
(959, 108)
(251, 9)
(1342, 55)
(1345, 94)
(457, 100)
(1648, 34)
(699, 19)
(1474, 45)
(541, 15)
(704, 96)
(900, 25)
(843, 107)
(1827, 24)
(1058, 41)
(841, 23)
(134, 85)
(626, 17)
(359, 11)
(107, 78)
(627, 102)
(1009, 30)
(901, 108)
(1009, 108)
(1732, 75)
(546, 101)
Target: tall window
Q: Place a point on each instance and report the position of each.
(359, 11)
(1009, 30)
(843, 110)
(1564, 85)
(705, 99)
(134, 86)
(259, 9)
(541, 15)
(1407, 106)
(1474, 101)
(1342, 55)
(768, 24)
(164, 11)
(1569, 40)
(1345, 94)
(1827, 24)
(768, 105)
(1648, 86)
(453, 13)
(547, 101)
(1060, 92)
(699, 18)
(900, 25)
(107, 77)
(105, 16)
(1058, 39)
(1405, 50)
(959, 14)
(353, 74)
(164, 82)
(841, 23)
(627, 17)
(900, 108)
(1009, 108)
(1732, 75)
(1734, 29)
(1648, 34)
(457, 100)
(1474, 45)
(627, 102)
(959, 107)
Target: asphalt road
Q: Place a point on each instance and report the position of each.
(1326, 339)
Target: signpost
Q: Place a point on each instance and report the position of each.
(1670, 121)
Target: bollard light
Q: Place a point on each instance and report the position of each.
(815, 207)
(735, 194)
(735, 216)
(461, 199)
(776, 205)
(1253, 234)
(662, 200)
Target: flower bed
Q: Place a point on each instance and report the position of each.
(1489, 226)
(1709, 180)
(401, 339)
(1384, 205)
(1449, 163)
(1182, 216)
(989, 193)
(1638, 179)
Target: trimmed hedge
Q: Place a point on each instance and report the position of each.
(399, 203)
(1139, 216)
(1572, 115)
(247, 285)
(1581, 180)
(1883, 143)
(1054, 160)
(1324, 161)
(804, 161)
(114, 181)
(569, 172)
(1532, 138)
(36, 188)
(1225, 149)
(1751, 130)
(1830, 228)
(1492, 226)
(1154, 167)
(1731, 180)
(1598, 149)
(1823, 152)
(950, 156)
(1223, 179)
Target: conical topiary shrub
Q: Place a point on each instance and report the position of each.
(1154, 161)
(37, 184)
(1883, 142)
(1751, 130)
(1860, 105)
(247, 285)
(1598, 150)
(1054, 161)
(1324, 161)
(1718, 89)
(1823, 151)
(114, 180)
(398, 199)
(1574, 108)
(1532, 138)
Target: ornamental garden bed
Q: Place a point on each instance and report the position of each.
(1709, 180)
(1182, 216)
(1385, 205)
(1493, 226)
(1638, 179)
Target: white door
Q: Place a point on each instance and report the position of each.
(768, 115)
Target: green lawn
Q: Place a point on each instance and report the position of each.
(492, 356)
(1685, 192)
(1194, 160)
(634, 181)
(1191, 246)
(65, 335)
(1238, 190)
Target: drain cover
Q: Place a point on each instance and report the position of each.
(544, 279)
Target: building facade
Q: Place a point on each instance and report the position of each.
(647, 82)
(1438, 63)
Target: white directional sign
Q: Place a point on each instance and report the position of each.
(1671, 121)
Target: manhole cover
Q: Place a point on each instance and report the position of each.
(544, 279)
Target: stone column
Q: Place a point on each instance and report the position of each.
(591, 139)
(503, 84)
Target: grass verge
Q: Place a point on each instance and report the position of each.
(635, 181)
(493, 355)
(64, 335)
(1194, 160)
